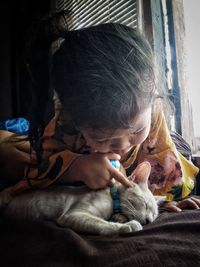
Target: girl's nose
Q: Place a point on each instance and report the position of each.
(122, 145)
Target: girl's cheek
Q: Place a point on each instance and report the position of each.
(95, 145)
(144, 135)
(140, 137)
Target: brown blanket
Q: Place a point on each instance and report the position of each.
(172, 240)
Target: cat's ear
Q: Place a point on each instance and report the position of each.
(141, 174)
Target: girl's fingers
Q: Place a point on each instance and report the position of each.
(196, 200)
(169, 207)
(112, 182)
(112, 156)
(24, 157)
(117, 175)
(23, 145)
(187, 204)
(174, 208)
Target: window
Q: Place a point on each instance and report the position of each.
(84, 13)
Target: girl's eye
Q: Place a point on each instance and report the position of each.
(101, 142)
(138, 131)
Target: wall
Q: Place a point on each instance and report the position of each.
(192, 29)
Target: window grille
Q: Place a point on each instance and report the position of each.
(85, 13)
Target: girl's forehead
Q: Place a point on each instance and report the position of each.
(138, 122)
(106, 133)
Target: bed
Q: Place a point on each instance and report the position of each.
(173, 239)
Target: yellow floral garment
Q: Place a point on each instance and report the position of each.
(172, 175)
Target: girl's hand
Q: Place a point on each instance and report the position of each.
(14, 156)
(188, 203)
(95, 170)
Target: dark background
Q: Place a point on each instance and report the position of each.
(16, 18)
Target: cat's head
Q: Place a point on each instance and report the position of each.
(137, 202)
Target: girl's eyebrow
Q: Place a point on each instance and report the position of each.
(101, 139)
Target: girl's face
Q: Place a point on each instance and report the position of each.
(119, 141)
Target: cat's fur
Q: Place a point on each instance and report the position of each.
(86, 210)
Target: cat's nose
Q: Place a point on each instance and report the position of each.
(147, 221)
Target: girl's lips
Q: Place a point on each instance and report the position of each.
(120, 152)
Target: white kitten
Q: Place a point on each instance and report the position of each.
(86, 210)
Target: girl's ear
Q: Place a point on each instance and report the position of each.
(141, 174)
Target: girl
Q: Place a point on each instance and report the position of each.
(106, 107)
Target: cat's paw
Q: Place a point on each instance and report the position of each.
(121, 228)
(125, 229)
(115, 229)
(134, 225)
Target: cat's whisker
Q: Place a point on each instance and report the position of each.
(129, 210)
(129, 205)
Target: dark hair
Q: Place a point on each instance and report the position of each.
(104, 75)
